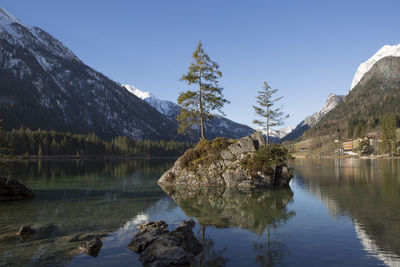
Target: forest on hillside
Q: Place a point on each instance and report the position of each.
(42, 143)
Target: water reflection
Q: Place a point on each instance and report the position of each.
(368, 191)
(254, 210)
(76, 197)
(227, 207)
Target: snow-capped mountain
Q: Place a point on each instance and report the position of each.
(282, 132)
(165, 107)
(44, 85)
(332, 101)
(219, 126)
(385, 51)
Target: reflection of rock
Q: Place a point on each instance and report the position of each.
(159, 247)
(230, 207)
(86, 237)
(43, 232)
(11, 189)
(228, 167)
(91, 247)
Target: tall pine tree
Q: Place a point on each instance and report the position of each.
(389, 141)
(198, 104)
(272, 116)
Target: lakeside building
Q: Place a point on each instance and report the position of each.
(348, 147)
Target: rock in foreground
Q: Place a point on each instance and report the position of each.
(11, 189)
(157, 246)
(91, 247)
(247, 162)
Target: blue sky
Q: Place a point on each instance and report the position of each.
(306, 49)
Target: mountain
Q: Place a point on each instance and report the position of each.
(165, 107)
(385, 51)
(282, 132)
(275, 136)
(216, 127)
(332, 101)
(376, 93)
(45, 85)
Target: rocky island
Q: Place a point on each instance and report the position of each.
(244, 163)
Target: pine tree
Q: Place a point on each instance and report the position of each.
(388, 124)
(4, 152)
(273, 116)
(40, 152)
(196, 105)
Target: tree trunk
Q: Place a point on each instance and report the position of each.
(201, 111)
(203, 235)
(267, 127)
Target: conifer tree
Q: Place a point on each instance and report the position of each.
(388, 124)
(197, 105)
(272, 116)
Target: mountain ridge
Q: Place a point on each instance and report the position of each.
(45, 85)
(363, 68)
(330, 103)
(376, 94)
(218, 126)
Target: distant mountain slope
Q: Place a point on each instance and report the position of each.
(219, 126)
(44, 85)
(377, 93)
(332, 101)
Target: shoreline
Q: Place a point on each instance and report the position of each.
(86, 157)
(310, 156)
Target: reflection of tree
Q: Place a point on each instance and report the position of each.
(209, 256)
(89, 168)
(270, 253)
(227, 207)
(256, 210)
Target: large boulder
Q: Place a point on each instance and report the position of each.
(157, 246)
(226, 166)
(11, 189)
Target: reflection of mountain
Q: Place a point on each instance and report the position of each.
(371, 247)
(226, 207)
(368, 192)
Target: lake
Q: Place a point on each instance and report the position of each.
(337, 212)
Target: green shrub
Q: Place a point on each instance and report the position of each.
(205, 152)
(266, 158)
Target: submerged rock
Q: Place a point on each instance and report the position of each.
(91, 247)
(25, 232)
(11, 189)
(224, 162)
(157, 246)
(86, 237)
(43, 232)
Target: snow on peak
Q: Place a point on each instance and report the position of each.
(163, 106)
(332, 101)
(386, 51)
(6, 17)
(282, 132)
(133, 90)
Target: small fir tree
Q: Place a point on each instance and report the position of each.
(197, 105)
(272, 116)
